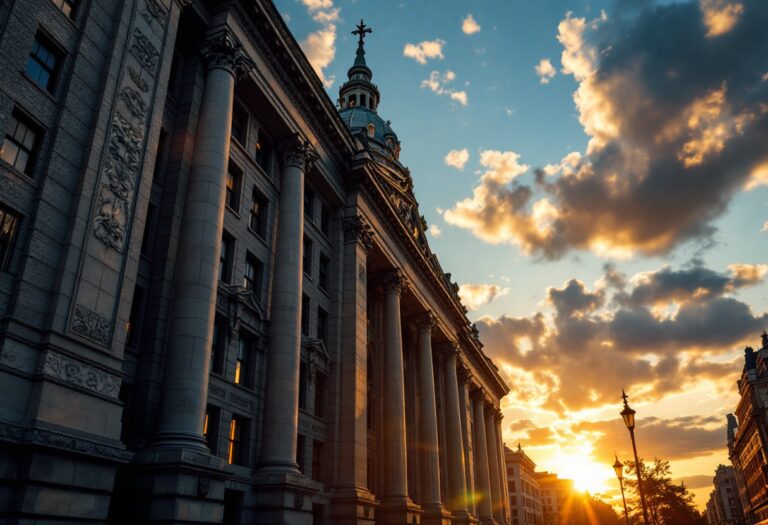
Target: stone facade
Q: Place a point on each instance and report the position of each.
(217, 300)
(748, 435)
(524, 491)
(724, 505)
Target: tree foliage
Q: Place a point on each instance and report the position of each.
(584, 509)
(667, 503)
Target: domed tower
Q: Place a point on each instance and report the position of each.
(359, 100)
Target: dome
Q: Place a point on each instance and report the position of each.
(375, 127)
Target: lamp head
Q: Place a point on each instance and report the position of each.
(619, 468)
(627, 414)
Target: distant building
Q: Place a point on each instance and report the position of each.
(747, 438)
(524, 492)
(555, 493)
(724, 505)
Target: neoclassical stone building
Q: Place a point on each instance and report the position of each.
(217, 300)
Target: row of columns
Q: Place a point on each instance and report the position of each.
(487, 500)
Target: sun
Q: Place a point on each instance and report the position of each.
(587, 475)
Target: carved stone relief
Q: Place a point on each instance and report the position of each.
(89, 324)
(80, 374)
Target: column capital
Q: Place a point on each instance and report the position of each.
(357, 230)
(426, 321)
(297, 152)
(223, 50)
(394, 281)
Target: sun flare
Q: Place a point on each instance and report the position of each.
(587, 475)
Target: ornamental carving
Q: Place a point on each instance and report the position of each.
(134, 102)
(154, 12)
(298, 153)
(356, 229)
(144, 51)
(121, 168)
(135, 75)
(394, 281)
(79, 374)
(426, 321)
(222, 50)
(54, 439)
(89, 324)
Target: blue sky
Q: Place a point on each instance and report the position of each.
(509, 109)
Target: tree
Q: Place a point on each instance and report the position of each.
(667, 502)
(585, 509)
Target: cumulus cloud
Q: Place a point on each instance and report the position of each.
(426, 50)
(320, 45)
(476, 295)
(457, 158)
(669, 145)
(622, 333)
(437, 84)
(469, 26)
(545, 70)
(435, 231)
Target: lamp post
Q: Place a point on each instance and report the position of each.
(619, 468)
(629, 419)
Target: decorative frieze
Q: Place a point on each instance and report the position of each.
(89, 324)
(357, 229)
(224, 51)
(80, 374)
(48, 438)
(153, 12)
(297, 152)
(144, 51)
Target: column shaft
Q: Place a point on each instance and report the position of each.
(502, 469)
(493, 465)
(188, 357)
(457, 480)
(394, 443)
(281, 406)
(483, 495)
(465, 411)
(428, 419)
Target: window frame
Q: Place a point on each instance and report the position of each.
(234, 174)
(226, 255)
(22, 119)
(8, 240)
(218, 345)
(44, 41)
(72, 6)
(242, 135)
(260, 229)
(211, 427)
(323, 272)
(306, 256)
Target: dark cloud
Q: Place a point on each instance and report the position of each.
(674, 99)
(595, 344)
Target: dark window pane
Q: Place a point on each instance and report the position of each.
(303, 385)
(304, 315)
(324, 268)
(264, 149)
(9, 227)
(43, 62)
(307, 261)
(239, 124)
(20, 144)
(258, 220)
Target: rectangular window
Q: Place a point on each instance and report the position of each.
(234, 176)
(324, 268)
(300, 458)
(254, 269)
(309, 204)
(225, 258)
(307, 260)
(238, 434)
(264, 149)
(258, 221)
(67, 7)
(9, 228)
(240, 124)
(43, 62)
(304, 315)
(325, 220)
(149, 228)
(244, 364)
(322, 325)
(303, 385)
(211, 426)
(320, 386)
(317, 454)
(22, 139)
(219, 344)
(132, 328)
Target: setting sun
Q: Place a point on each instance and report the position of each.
(587, 475)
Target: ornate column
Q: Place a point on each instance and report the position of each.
(352, 501)
(396, 506)
(497, 502)
(431, 502)
(465, 410)
(281, 404)
(483, 494)
(188, 357)
(457, 479)
(502, 468)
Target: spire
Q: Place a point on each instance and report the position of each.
(359, 91)
(361, 31)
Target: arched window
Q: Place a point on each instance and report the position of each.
(364, 100)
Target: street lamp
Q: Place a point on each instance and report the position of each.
(619, 468)
(629, 419)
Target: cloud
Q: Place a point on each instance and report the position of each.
(435, 231)
(469, 26)
(436, 83)
(457, 158)
(765, 227)
(426, 50)
(476, 295)
(545, 70)
(657, 129)
(720, 15)
(320, 45)
(623, 333)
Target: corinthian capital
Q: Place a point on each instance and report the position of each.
(394, 281)
(222, 50)
(297, 152)
(356, 229)
(426, 321)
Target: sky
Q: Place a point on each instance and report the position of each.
(595, 177)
